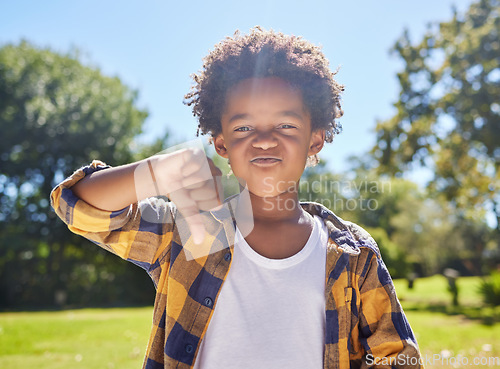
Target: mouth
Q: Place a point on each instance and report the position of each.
(265, 161)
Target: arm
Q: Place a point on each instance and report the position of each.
(117, 231)
(101, 204)
(114, 188)
(186, 176)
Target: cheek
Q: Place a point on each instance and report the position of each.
(235, 150)
(298, 148)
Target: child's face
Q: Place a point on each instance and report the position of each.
(267, 135)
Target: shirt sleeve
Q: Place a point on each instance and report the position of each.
(141, 233)
(384, 331)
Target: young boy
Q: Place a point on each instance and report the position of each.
(299, 287)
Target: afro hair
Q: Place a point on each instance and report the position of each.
(265, 54)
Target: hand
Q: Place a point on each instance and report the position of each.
(192, 181)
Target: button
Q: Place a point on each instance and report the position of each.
(208, 301)
(227, 257)
(189, 348)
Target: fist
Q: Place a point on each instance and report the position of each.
(192, 181)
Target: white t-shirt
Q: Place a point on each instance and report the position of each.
(270, 313)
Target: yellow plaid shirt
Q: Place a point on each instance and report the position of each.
(364, 318)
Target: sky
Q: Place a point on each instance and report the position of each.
(154, 46)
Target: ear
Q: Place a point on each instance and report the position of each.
(220, 146)
(317, 142)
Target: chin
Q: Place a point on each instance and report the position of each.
(269, 186)
(264, 194)
(267, 193)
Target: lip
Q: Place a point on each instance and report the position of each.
(264, 161)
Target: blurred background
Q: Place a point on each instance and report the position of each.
(417, 163)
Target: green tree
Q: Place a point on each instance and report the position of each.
(411, 228)
(414, 231)
(55, 116)
(448, 112)
(362, 199)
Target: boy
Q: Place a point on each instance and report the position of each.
(299, 287)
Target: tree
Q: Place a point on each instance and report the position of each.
(448, 113)
(55, 116)
(414, 231)
(362, 199)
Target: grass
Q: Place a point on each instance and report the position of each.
(467, 332)
(117, 338)
(431, 294)
(434, 291)
(454, 336)
(89, 338)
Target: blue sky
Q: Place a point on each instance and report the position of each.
(154, 46)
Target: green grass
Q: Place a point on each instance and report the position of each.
(90, 339)
(117, 338)
(454, 336)
(434, 290)
(431, 294)
(469, 330)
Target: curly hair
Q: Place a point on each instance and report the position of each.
(265, 54)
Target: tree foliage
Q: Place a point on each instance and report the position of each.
(364, 200)
(448, 112)
(55, 116)
(415, 232)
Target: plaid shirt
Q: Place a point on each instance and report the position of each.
(365, 323)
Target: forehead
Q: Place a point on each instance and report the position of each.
(272, 91)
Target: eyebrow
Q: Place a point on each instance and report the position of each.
(284, 113)
(291, 113)
(239, 117)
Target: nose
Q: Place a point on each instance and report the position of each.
(264, 140)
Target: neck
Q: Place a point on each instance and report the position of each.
(284, 207)
(280, 226)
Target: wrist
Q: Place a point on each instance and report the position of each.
(145, 181)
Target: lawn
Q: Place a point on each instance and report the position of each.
(452, 335)
(117, 338)
(89, 338)
(434, 290)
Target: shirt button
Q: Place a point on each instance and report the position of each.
(208, 301)
(227, 257)
(189, 348)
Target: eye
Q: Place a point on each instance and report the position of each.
(242, 129)
(287, 126)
